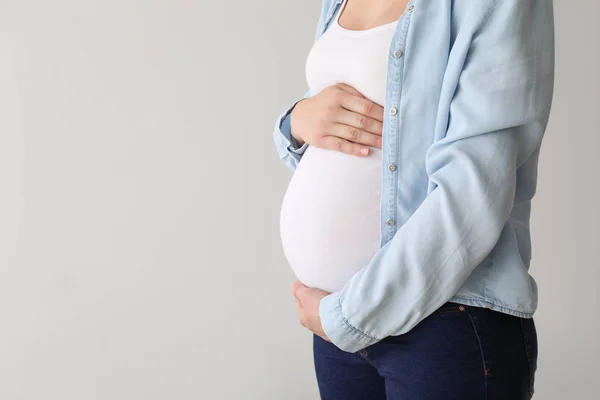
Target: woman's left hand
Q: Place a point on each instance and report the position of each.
(307, 304)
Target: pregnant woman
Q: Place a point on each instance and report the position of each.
(414, 156)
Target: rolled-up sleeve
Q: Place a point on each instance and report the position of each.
(497, 117)
(284, 142)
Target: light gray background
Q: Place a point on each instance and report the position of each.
(140, 192)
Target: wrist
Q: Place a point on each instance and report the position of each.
(297, 142)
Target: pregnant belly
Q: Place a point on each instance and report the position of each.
(329, 221)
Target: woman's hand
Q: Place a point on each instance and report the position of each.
(340, 118)
(307, 304)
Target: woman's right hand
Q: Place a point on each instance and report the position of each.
(339, 118)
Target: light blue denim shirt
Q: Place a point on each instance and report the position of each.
(468, 96)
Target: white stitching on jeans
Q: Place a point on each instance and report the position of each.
(485, 369)
(529, 361)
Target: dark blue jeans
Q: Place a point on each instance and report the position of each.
(457, 353)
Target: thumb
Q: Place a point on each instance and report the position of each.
(296, 287)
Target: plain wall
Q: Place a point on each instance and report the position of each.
(140, 193)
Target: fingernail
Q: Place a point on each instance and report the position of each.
(364, 151)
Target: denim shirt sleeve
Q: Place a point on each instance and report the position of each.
(285, 144)
(497, 117)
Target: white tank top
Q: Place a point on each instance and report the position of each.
(330, 216)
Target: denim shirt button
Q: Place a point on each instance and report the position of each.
(398, 53)
(390, 222)
(393, 110)
(392, 167)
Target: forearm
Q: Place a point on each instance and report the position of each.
(432, 254)
(288, 148)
